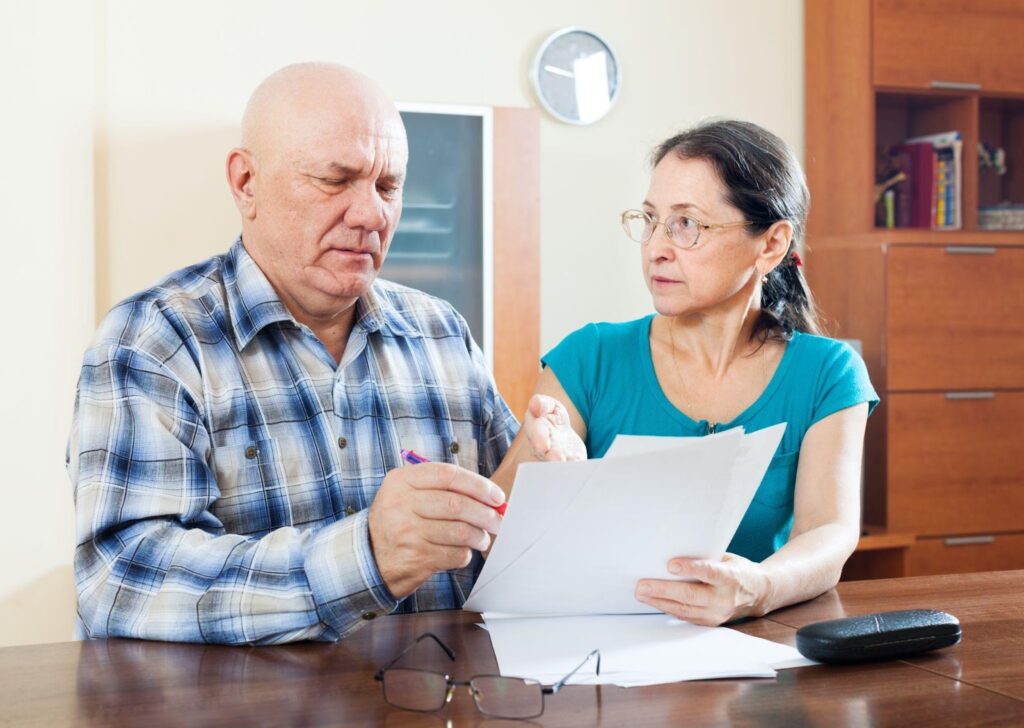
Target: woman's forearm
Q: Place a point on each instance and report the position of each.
(807, 566)
(518, 452)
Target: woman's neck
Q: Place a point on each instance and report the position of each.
(713, 340)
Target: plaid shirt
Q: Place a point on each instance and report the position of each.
(223, 463)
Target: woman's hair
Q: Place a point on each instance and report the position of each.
(764, 181)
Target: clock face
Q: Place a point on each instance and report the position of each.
(576, 76)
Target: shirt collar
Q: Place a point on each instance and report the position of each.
(254, 304)
(378, 310)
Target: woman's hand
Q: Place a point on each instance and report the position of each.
(549, 432)
(723, 591)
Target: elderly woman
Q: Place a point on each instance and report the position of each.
(734, 342)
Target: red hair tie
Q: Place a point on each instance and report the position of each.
(797, 260)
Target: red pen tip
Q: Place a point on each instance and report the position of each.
(502, 508)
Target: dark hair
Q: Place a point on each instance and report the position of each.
(764, 181)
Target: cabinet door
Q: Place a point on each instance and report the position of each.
(955, 466)
(955, 318)
(960, 554)
(917, 43)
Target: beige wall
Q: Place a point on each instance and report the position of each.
(46, 209)
(167, 82)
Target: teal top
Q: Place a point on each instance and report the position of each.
(607, 371)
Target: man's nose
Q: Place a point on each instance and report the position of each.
(366, 209)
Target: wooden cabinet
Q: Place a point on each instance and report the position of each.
(972, 44)
(955, 317)
(940, 314)
(954, 464)
(959, 554)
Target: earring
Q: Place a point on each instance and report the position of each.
(764, 279)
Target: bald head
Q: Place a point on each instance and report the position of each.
(314, 98)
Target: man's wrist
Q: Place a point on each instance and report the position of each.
(347, 587)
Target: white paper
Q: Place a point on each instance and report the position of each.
(635, 650)
(624, 445)
(578, 536)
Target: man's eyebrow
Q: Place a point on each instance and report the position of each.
(343, 170)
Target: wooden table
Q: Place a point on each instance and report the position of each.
(124, 682)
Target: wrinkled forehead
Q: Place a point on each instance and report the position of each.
(374, 141)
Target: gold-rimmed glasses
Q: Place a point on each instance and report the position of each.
(683, 230)
(426, 691)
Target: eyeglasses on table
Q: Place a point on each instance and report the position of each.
(496, 696)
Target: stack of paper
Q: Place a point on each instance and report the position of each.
(638, 649)
(577, 536)
(560, 579)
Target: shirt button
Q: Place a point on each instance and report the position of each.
(250, 452)
(454, 448)
(349, 510)
(369, 615)
(342, 442)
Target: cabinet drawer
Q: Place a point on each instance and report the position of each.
(961, 554)
(955, 466)
(916, 43)
(955, 318)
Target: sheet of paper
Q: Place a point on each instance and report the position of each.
(549, 489)
(755, 455)
(578, 536)
(624, 445)
(635, 649)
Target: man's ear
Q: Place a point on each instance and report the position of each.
(776, 244)
(241, 171)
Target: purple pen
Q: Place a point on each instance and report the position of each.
(413, 458)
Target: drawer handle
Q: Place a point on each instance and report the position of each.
(970, 395)
(970, 250)
(969, 540)
(957, 85)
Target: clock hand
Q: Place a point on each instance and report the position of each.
(559, 71)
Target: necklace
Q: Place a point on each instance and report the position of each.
(681, 381)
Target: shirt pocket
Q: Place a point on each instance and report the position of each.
(268, 484)
(456, 445)
(778, 484)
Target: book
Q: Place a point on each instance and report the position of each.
(947, 179)
(936, 180)
(921, 183)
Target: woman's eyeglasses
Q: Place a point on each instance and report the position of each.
(496, 696)
(683, 231)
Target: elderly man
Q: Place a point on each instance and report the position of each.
(236, 448)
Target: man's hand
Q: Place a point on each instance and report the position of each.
(549, 433)
(723, 591)
(428, 518)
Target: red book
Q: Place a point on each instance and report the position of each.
(922, 182)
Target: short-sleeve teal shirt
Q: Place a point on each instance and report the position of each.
(607, 371)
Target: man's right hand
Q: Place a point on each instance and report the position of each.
(428, 518)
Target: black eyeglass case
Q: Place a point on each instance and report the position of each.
(879, 636)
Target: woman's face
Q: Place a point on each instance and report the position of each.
(721, 269)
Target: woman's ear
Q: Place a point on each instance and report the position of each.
(775, 246)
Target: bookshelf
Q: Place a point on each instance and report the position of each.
(940, 313)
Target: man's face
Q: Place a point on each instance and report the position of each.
(327, 194)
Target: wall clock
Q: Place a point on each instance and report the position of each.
(576, 75)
